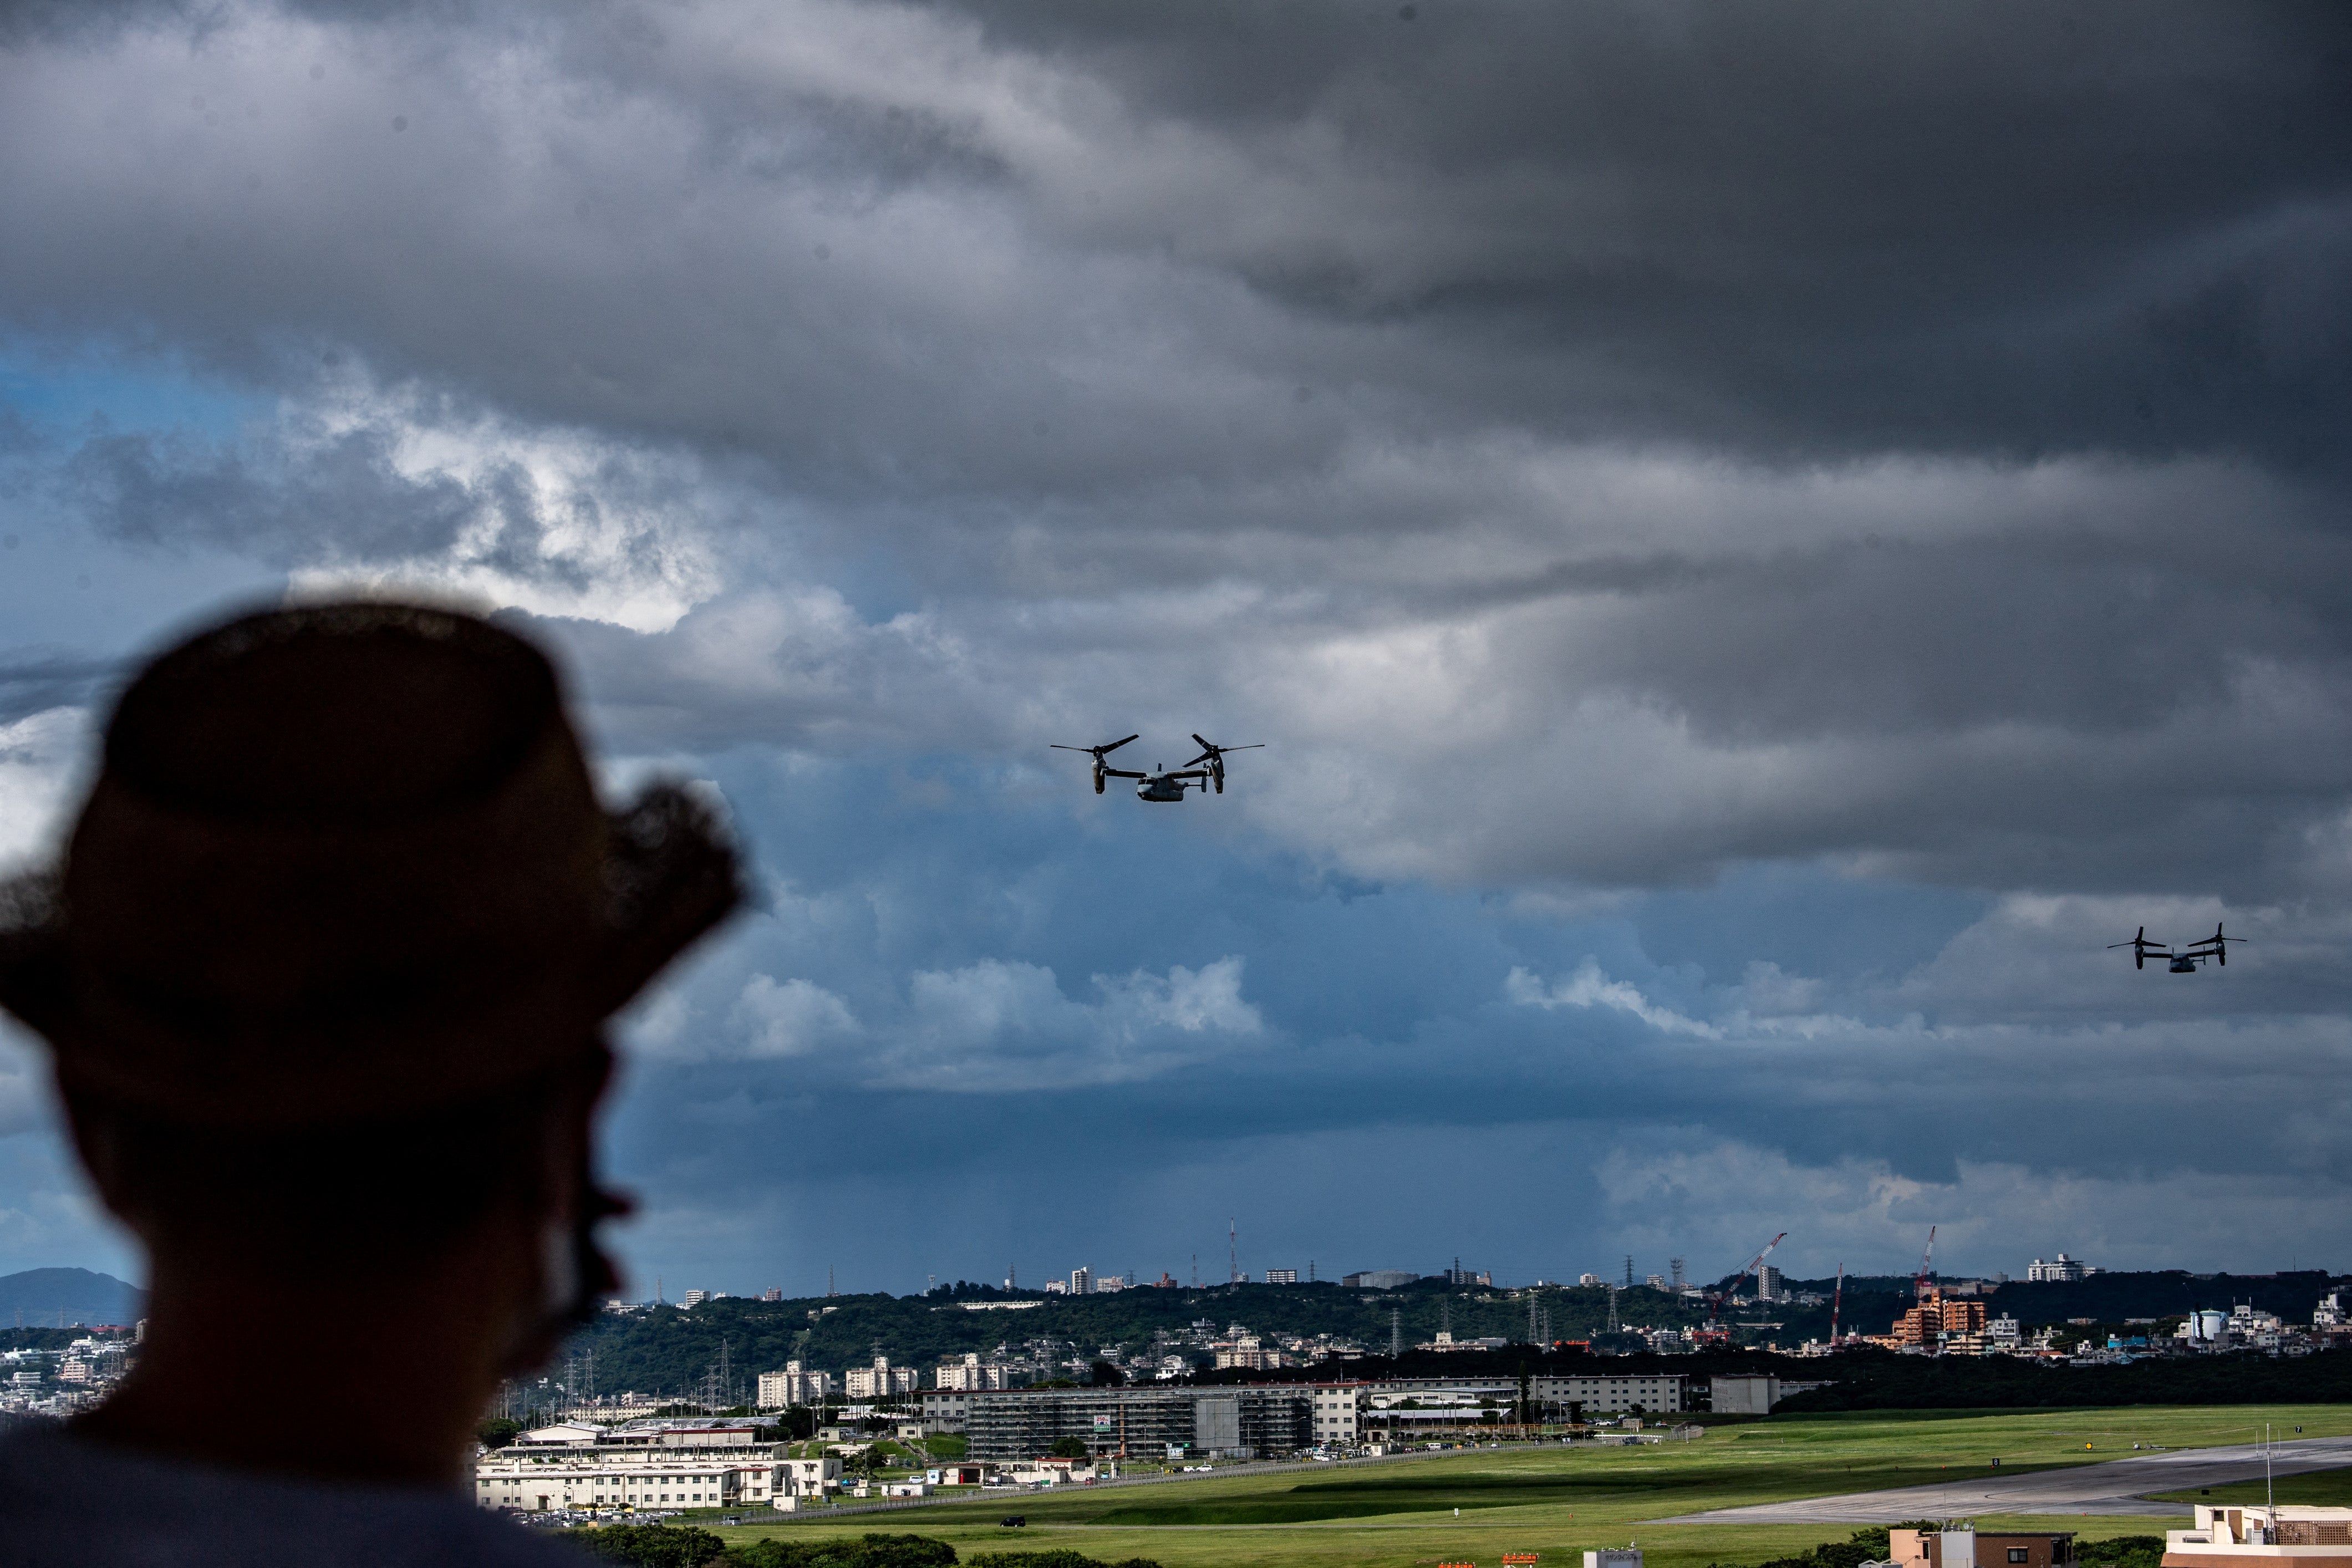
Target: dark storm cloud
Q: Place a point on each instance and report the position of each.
(1602, 449)
(2018, 228)
(1781, 432)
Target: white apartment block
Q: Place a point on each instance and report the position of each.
(880, 1381)
(1338, 1411)
(793, 1385)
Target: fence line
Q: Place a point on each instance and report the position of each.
(892, 1505)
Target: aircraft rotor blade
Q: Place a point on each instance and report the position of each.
(1115, 745)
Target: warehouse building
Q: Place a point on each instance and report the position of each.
(1011, 1424)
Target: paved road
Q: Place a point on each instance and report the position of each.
(2116, 1486)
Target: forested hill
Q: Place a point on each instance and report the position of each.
(56, 1297)
(669, 1349)
(665, 1349)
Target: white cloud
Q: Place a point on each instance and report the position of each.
(793, 1019)
(1589, 987)
(41, 758)
(995, 1025)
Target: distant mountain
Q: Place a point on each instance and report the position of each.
(41, 1295)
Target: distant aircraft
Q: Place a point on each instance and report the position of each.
(1167, 784)
(2188, 960)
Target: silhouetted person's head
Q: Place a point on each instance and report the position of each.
(327, 964)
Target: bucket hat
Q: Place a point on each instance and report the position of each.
(345, 861)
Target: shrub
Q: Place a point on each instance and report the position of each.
(649, 1545)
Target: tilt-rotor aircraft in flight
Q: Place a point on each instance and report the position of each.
(1167, 784)
(2188, 960)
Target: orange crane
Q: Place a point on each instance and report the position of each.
(1926, 1267)
(1837, 1298)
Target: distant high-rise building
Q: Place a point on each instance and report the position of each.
(772, 1293)
(694, 1297)
(1282, 1276)
(2058, 1273)
(1655, 1281)
(1677, 1267)
(1082, 1281)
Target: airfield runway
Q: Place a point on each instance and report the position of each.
(2114, 1485)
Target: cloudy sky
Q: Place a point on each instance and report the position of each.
(1758, 539)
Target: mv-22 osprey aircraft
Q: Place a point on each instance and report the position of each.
(2188, 960)
(1167, 784)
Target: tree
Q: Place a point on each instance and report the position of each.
(1068, 1448)
(1106, 1376)
(649, 1545)
(498, 1432)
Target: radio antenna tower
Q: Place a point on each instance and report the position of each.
(1234, 1251)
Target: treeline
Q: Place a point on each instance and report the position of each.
(1882, 1380)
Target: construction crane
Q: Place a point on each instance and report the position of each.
(1837, 1299)
(1714, 1333)
(1926, 1267)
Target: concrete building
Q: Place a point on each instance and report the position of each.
(1282, 1276)
(946, 1408)
(1082, 1282)
(656, 1465)
(2257, 1536)
(1017, 1424)
(1379, 1279)
(793, 1385)
(1976, 1549)
(1651, 1393)
(1937, 1320)
(1768, 1284)
(1743, 1396)
(2064, 1269)
(1338, 1412)
(530, 1486)
(880, 1381)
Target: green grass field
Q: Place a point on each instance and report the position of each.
(1561, 1502)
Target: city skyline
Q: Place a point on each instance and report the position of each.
(1756, 544)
